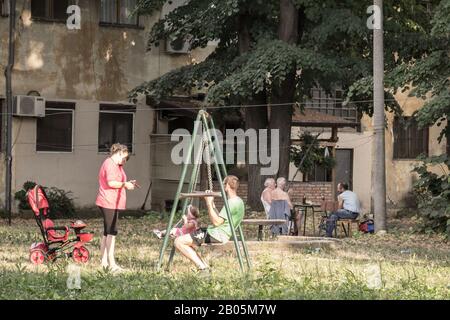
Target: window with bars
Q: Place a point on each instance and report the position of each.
(318, 174)
(4, 8)
(410, 141)
(55, 10)
(115, 126)
(118, 12)
(55, 130)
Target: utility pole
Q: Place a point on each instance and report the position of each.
(9, 107)
(379, 164)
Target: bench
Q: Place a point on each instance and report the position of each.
(261, 223)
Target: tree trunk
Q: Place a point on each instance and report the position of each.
(288, 27)
(255, 118)
(281, 116)
(280, 119)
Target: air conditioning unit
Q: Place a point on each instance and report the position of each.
(180, 45)
(29, 106)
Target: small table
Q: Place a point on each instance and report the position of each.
(261, 223)
(304, 207)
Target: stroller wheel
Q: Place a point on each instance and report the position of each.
(37, 257)
(80, 254)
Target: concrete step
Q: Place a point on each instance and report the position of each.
(274, 245)
(306, 238)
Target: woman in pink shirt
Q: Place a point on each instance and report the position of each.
(111, 198)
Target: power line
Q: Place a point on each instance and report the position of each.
(79, 146)
(225, 106)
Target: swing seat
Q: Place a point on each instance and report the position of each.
(200, 194)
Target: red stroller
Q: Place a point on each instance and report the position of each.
(56, 239)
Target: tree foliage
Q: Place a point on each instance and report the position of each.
(333, 41)
(333, 48)
(417, 60)
(310, 154)
(433, 194)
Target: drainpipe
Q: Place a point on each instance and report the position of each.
(9, 107)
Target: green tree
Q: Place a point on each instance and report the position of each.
(310, 154)
(417, 59)
(274, 52)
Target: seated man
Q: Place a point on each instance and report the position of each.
(280, 207)
(348, 208)
(220, 230)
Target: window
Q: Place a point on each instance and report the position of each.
(50, 9)
(318, 174)
(4, 7)
(54, 131)
(331, 104)
(115, 126)
(117, 12)
(409, 140)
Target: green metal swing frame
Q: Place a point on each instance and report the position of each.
(205, 120)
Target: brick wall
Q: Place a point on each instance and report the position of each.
(314, 191)
(242, 192)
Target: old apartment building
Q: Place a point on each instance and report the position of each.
(84, 76)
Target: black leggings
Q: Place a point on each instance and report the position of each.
(110, 217)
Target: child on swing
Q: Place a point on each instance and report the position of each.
(190, 224)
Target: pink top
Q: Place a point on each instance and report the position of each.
(111, 198)
(190, 226)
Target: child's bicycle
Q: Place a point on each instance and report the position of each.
(56, 242)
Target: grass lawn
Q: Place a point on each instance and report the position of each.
(413, 266)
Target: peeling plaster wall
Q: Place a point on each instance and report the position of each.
(95, 63)
(88, 66)
(399, 178)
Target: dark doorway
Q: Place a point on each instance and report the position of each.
(344, 166)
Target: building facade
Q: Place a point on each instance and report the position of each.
(84, 75)
(405, 141)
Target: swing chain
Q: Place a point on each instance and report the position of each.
(208, 161)
(198, 162)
